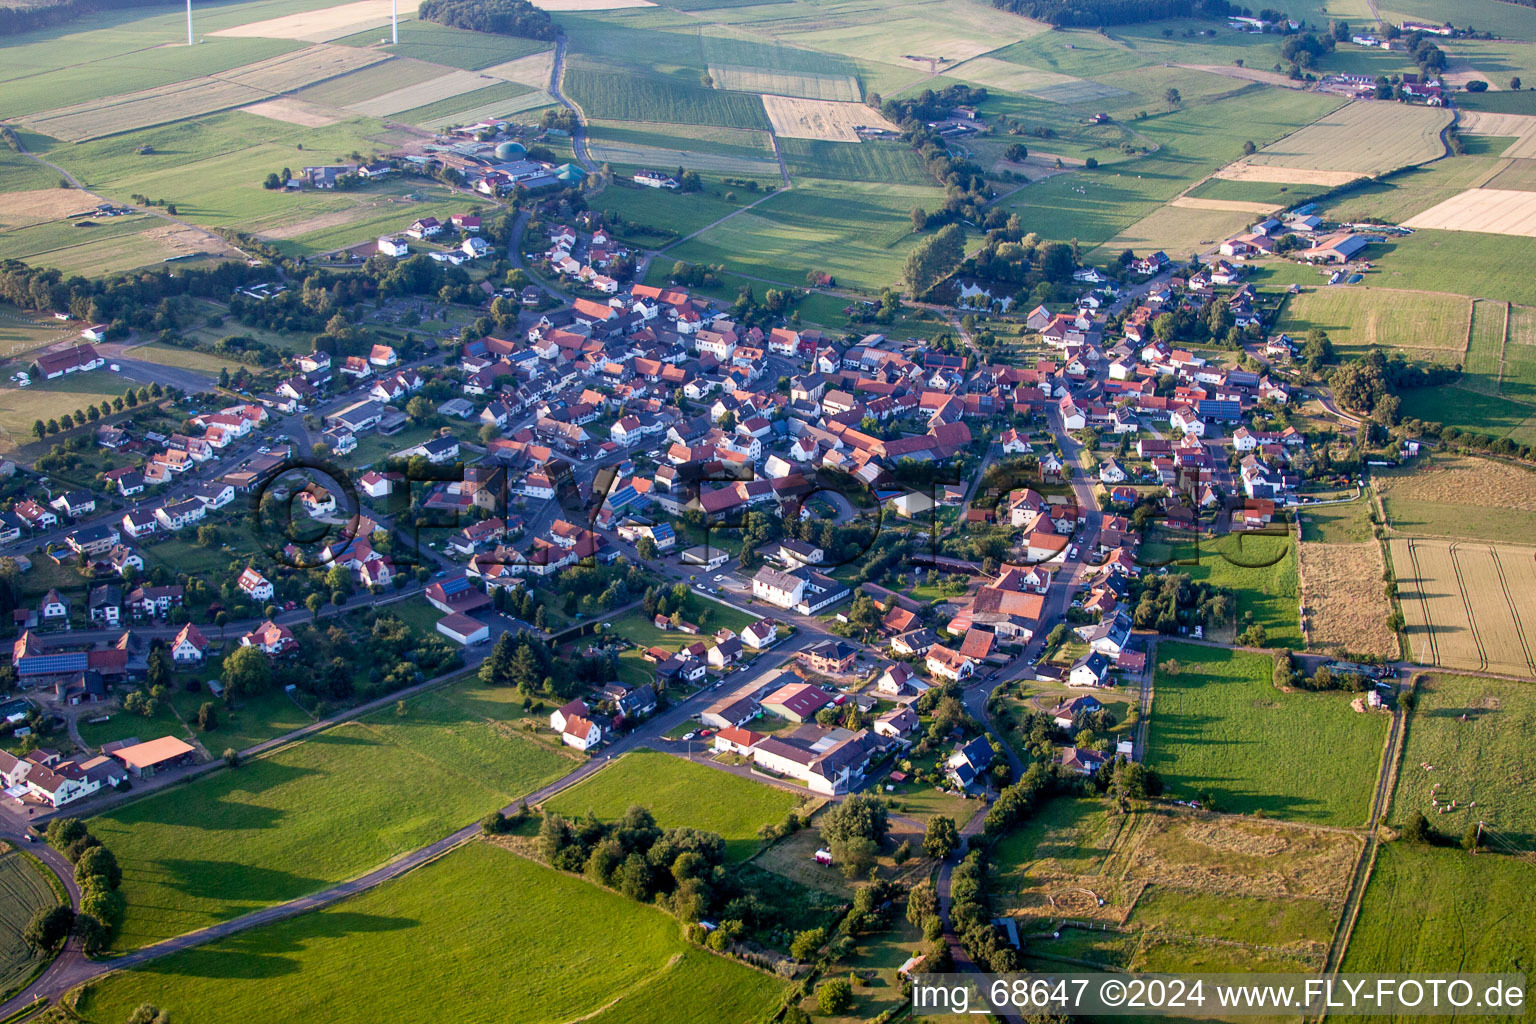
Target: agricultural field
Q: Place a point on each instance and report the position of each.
(827, 120)
(735, 151)
(440, 44)
(1468, 746)
(1493, 210)
(1219, 725)
(1416, 915)
(23, 890)
(853, 161)
(1468, 605)
(810, 85)
(1485, 346)
(498, 99)
(1345, 600)
(1425, 324)
(1178, 228)
(1365, 138)
(859, 233)
(1348, 523)
(21, 334)
(1460, 496)
(1183, 891)
(679, 792)
(318, 811)
(604, 92)
(473, 929)
(318, 26)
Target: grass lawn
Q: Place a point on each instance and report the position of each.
(473, 930)
(682, 212)
(1427, 324)
(1337, 524)
(1260, 569)
(1063, 837)
(1475, 733)
(1465, 262)
(246, 721)
(1304, 923)
(121, 725)
(679, 792)
(1220, 725)
(46, 399)
(1417, 916)
(316, 812)
(637, 627)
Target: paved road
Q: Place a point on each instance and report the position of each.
(579, 136)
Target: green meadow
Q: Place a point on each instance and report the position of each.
(679, 792)
(1220, 725)
(319, 811)
(472, 934)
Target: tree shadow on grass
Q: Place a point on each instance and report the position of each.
(232, 880)
(261, 953)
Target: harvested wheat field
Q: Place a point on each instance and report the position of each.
(1482, 122)
(1233, 856)
(1496, 211)
(1008, 76)
(804, 84)
(1242, 170)
(290, 71)
(445, 86)
(291, 111)
(19, 209)
(1248, 74)
(534, 69)
(1231, 205)
(1460, 480)
(821, 119)
(1470, 606)
(1523, 148)
(1345, 600)
(323, 25)
(181, 240)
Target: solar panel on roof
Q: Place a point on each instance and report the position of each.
(47, 664)
(455, 586)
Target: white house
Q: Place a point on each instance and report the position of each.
(255, 586)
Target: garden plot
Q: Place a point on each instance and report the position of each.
(445, 86)
(1363, 137)
(804, 84)
(325, 24)
(1495, 211)
(821, 119)
(1469, 606)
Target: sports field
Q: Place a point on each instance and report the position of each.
(1433, 326)
(474, 930)
(1468, 746)
(1219, 725)
(1468, 605)
(679, 792)
(23, 890)
(319, 811)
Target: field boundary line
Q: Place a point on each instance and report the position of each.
(1498, 387)
(1429, 622)
(1514, 608)
(1461, 592)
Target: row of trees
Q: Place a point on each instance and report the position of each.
(101, 902)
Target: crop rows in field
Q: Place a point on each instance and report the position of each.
(1485, 346)
(622, 96)
(22, 890)
(1362, 137)
(853, 161)
(424, 94)
(1467, 605)
(806, 84)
